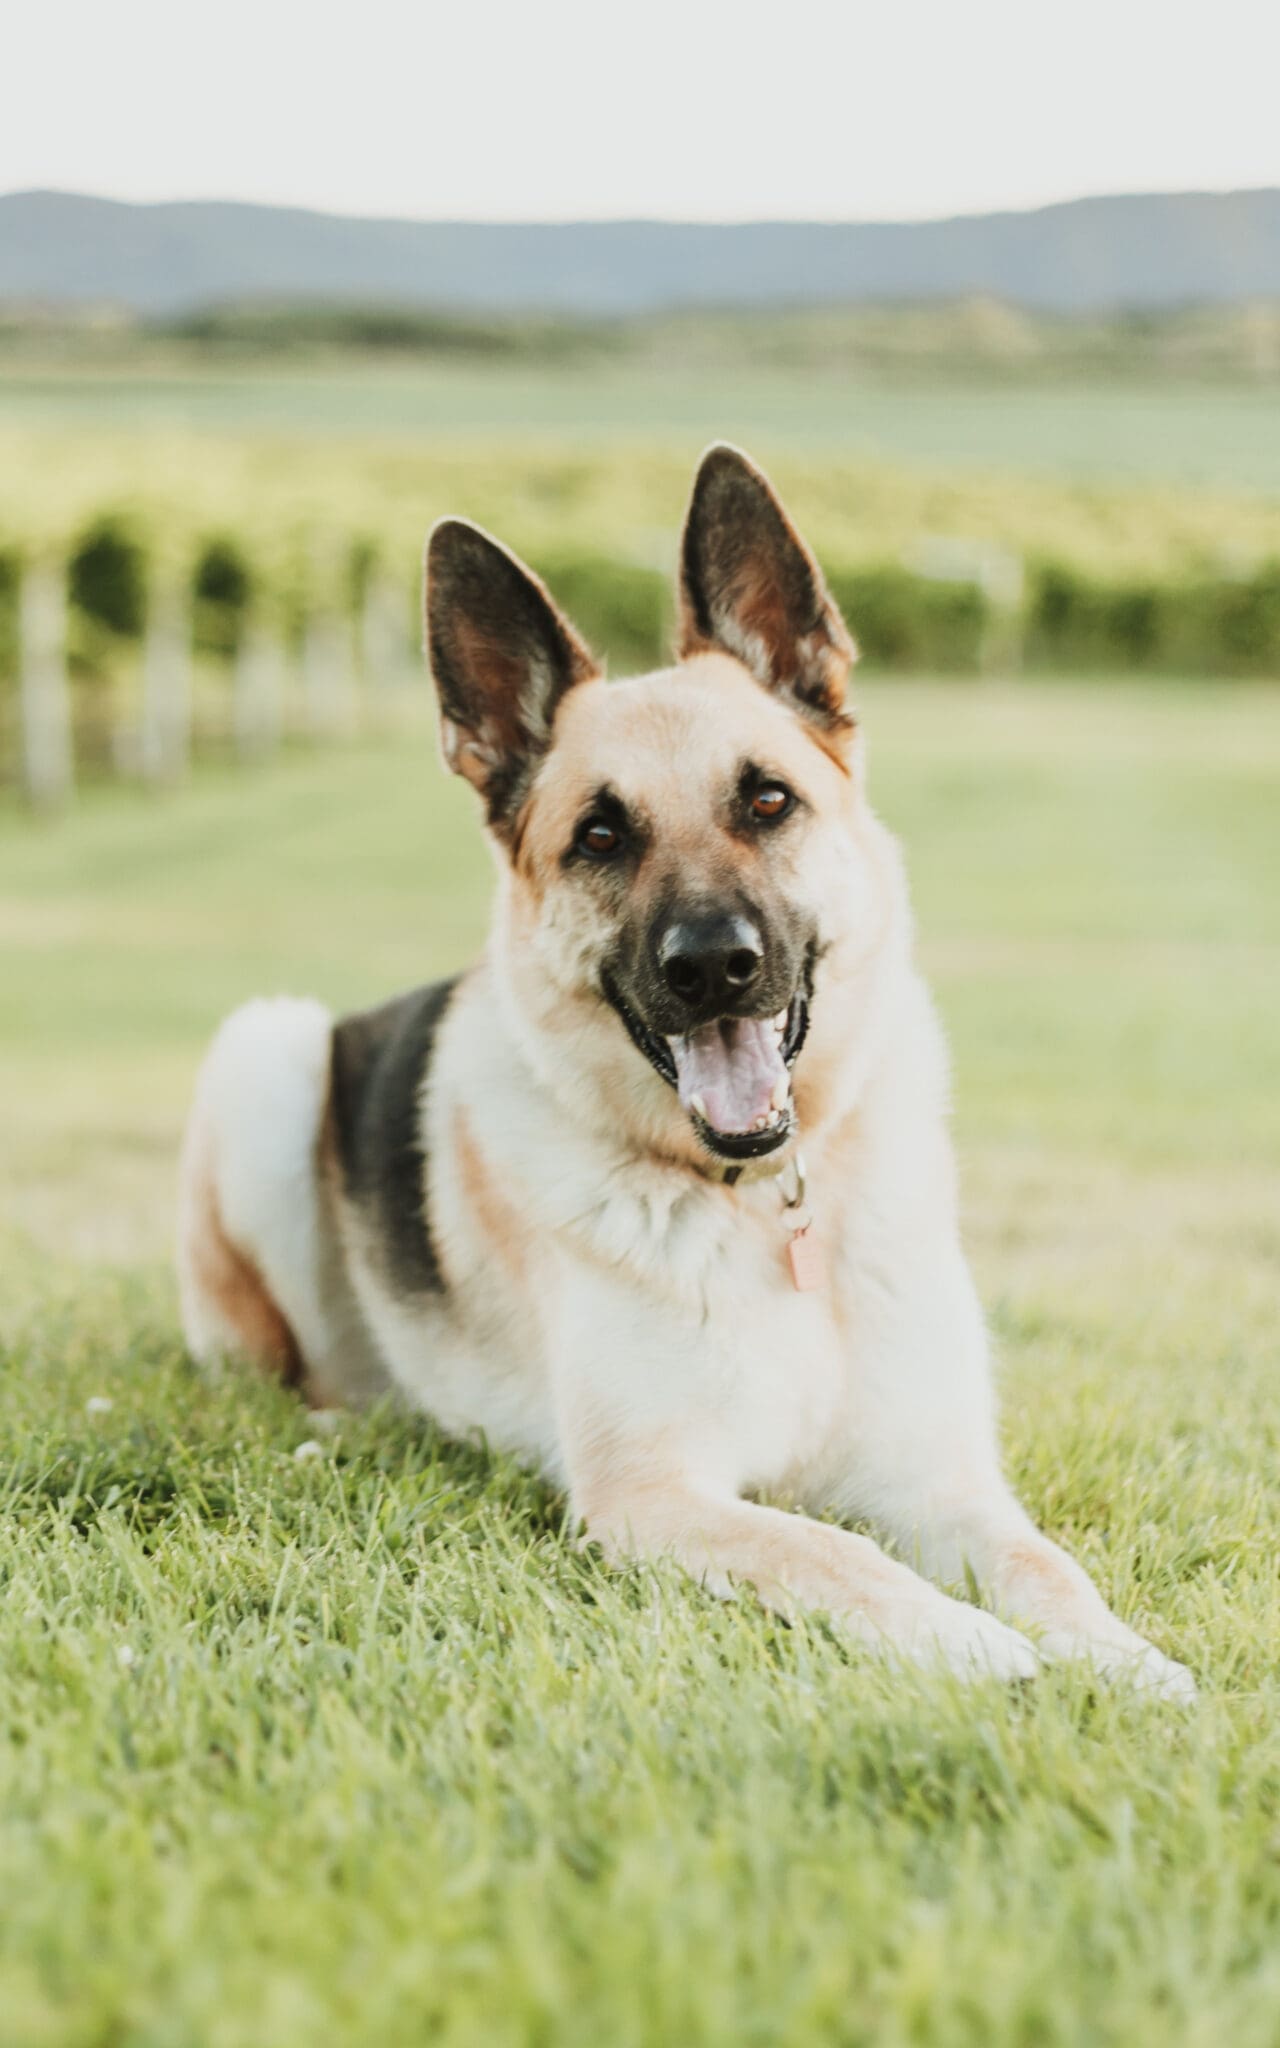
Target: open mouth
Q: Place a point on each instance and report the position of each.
(733, 1075)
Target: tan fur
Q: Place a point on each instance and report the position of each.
(652, 734)
(788, 1560)
(493, 1215)
(667, 741)
(227, 1278)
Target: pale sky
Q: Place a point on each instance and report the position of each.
(691, 109)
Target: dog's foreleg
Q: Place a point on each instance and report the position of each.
(795, 1563)
(924, 1467)
(1037, 1585)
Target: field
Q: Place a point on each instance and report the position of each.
(1184, 433)
(358, 1748)
(281, 494)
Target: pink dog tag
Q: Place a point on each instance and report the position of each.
(808, 1267)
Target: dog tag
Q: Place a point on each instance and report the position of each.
(808, 1267)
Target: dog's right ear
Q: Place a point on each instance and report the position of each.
(502, 655)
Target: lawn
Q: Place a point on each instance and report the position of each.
(358, 1748)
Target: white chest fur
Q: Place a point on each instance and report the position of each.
(587, 1281)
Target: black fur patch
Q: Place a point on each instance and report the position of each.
(379, 1064)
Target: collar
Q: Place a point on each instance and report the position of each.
(732, 1173)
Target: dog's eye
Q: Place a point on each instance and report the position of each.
(598, 839)
(771, 802)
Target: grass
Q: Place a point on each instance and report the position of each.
(359, 1748)
(1186, 432)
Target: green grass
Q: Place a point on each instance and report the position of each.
(1182, 432)
(360, 1749)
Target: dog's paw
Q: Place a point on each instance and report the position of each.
(1134, 1662)
(951, 1636)
(1164, 1676)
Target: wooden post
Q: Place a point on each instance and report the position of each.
(258, 692)
(326, 676)
(387, 660)
(165, 750)
(47, 760)
(328, 681)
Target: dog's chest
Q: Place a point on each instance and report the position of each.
(761, 1369)
(785, 1300)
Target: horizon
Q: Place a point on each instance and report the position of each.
(580, 220)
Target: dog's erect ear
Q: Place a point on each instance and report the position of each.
(502, 656)
(749, 585)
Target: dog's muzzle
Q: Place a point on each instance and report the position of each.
(733, 1074)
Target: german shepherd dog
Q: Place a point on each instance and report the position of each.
(560, 1201)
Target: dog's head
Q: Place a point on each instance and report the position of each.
(686, 853)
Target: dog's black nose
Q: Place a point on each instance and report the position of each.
(710, 962)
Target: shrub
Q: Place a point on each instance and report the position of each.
(222, 590)
(902, 620)
(623, 610)
(1239, 622)
(1218, 625)
(1134, 624)
(10, 592)
(108, 577)
(364, 558)
(1063, 616)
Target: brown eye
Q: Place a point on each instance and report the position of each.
(771, 801)
(598, 839)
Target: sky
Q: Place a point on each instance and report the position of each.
(685, 109)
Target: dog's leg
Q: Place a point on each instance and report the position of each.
(795, 1563)
(924, 1466)
(1036, 1584)
(653, 1460)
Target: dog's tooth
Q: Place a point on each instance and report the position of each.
(780, 1021)
(781, 1090)
(699, 1107)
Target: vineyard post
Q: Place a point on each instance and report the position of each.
(258, 708)
(327, 682)
(387, 663)
(166, 687)
(48, 764)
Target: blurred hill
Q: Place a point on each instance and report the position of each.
(1086, 256)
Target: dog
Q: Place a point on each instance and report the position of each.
(659, 1196)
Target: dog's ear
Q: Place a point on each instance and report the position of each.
(502, 655)
(749, 585)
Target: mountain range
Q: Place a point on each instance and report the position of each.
(1140, 252)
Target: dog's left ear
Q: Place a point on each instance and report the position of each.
(749, 585)
(502, 655)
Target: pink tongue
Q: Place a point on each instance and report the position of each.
(734, 1065)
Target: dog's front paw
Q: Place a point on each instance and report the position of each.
(952, 1636)
(1133, 1662)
